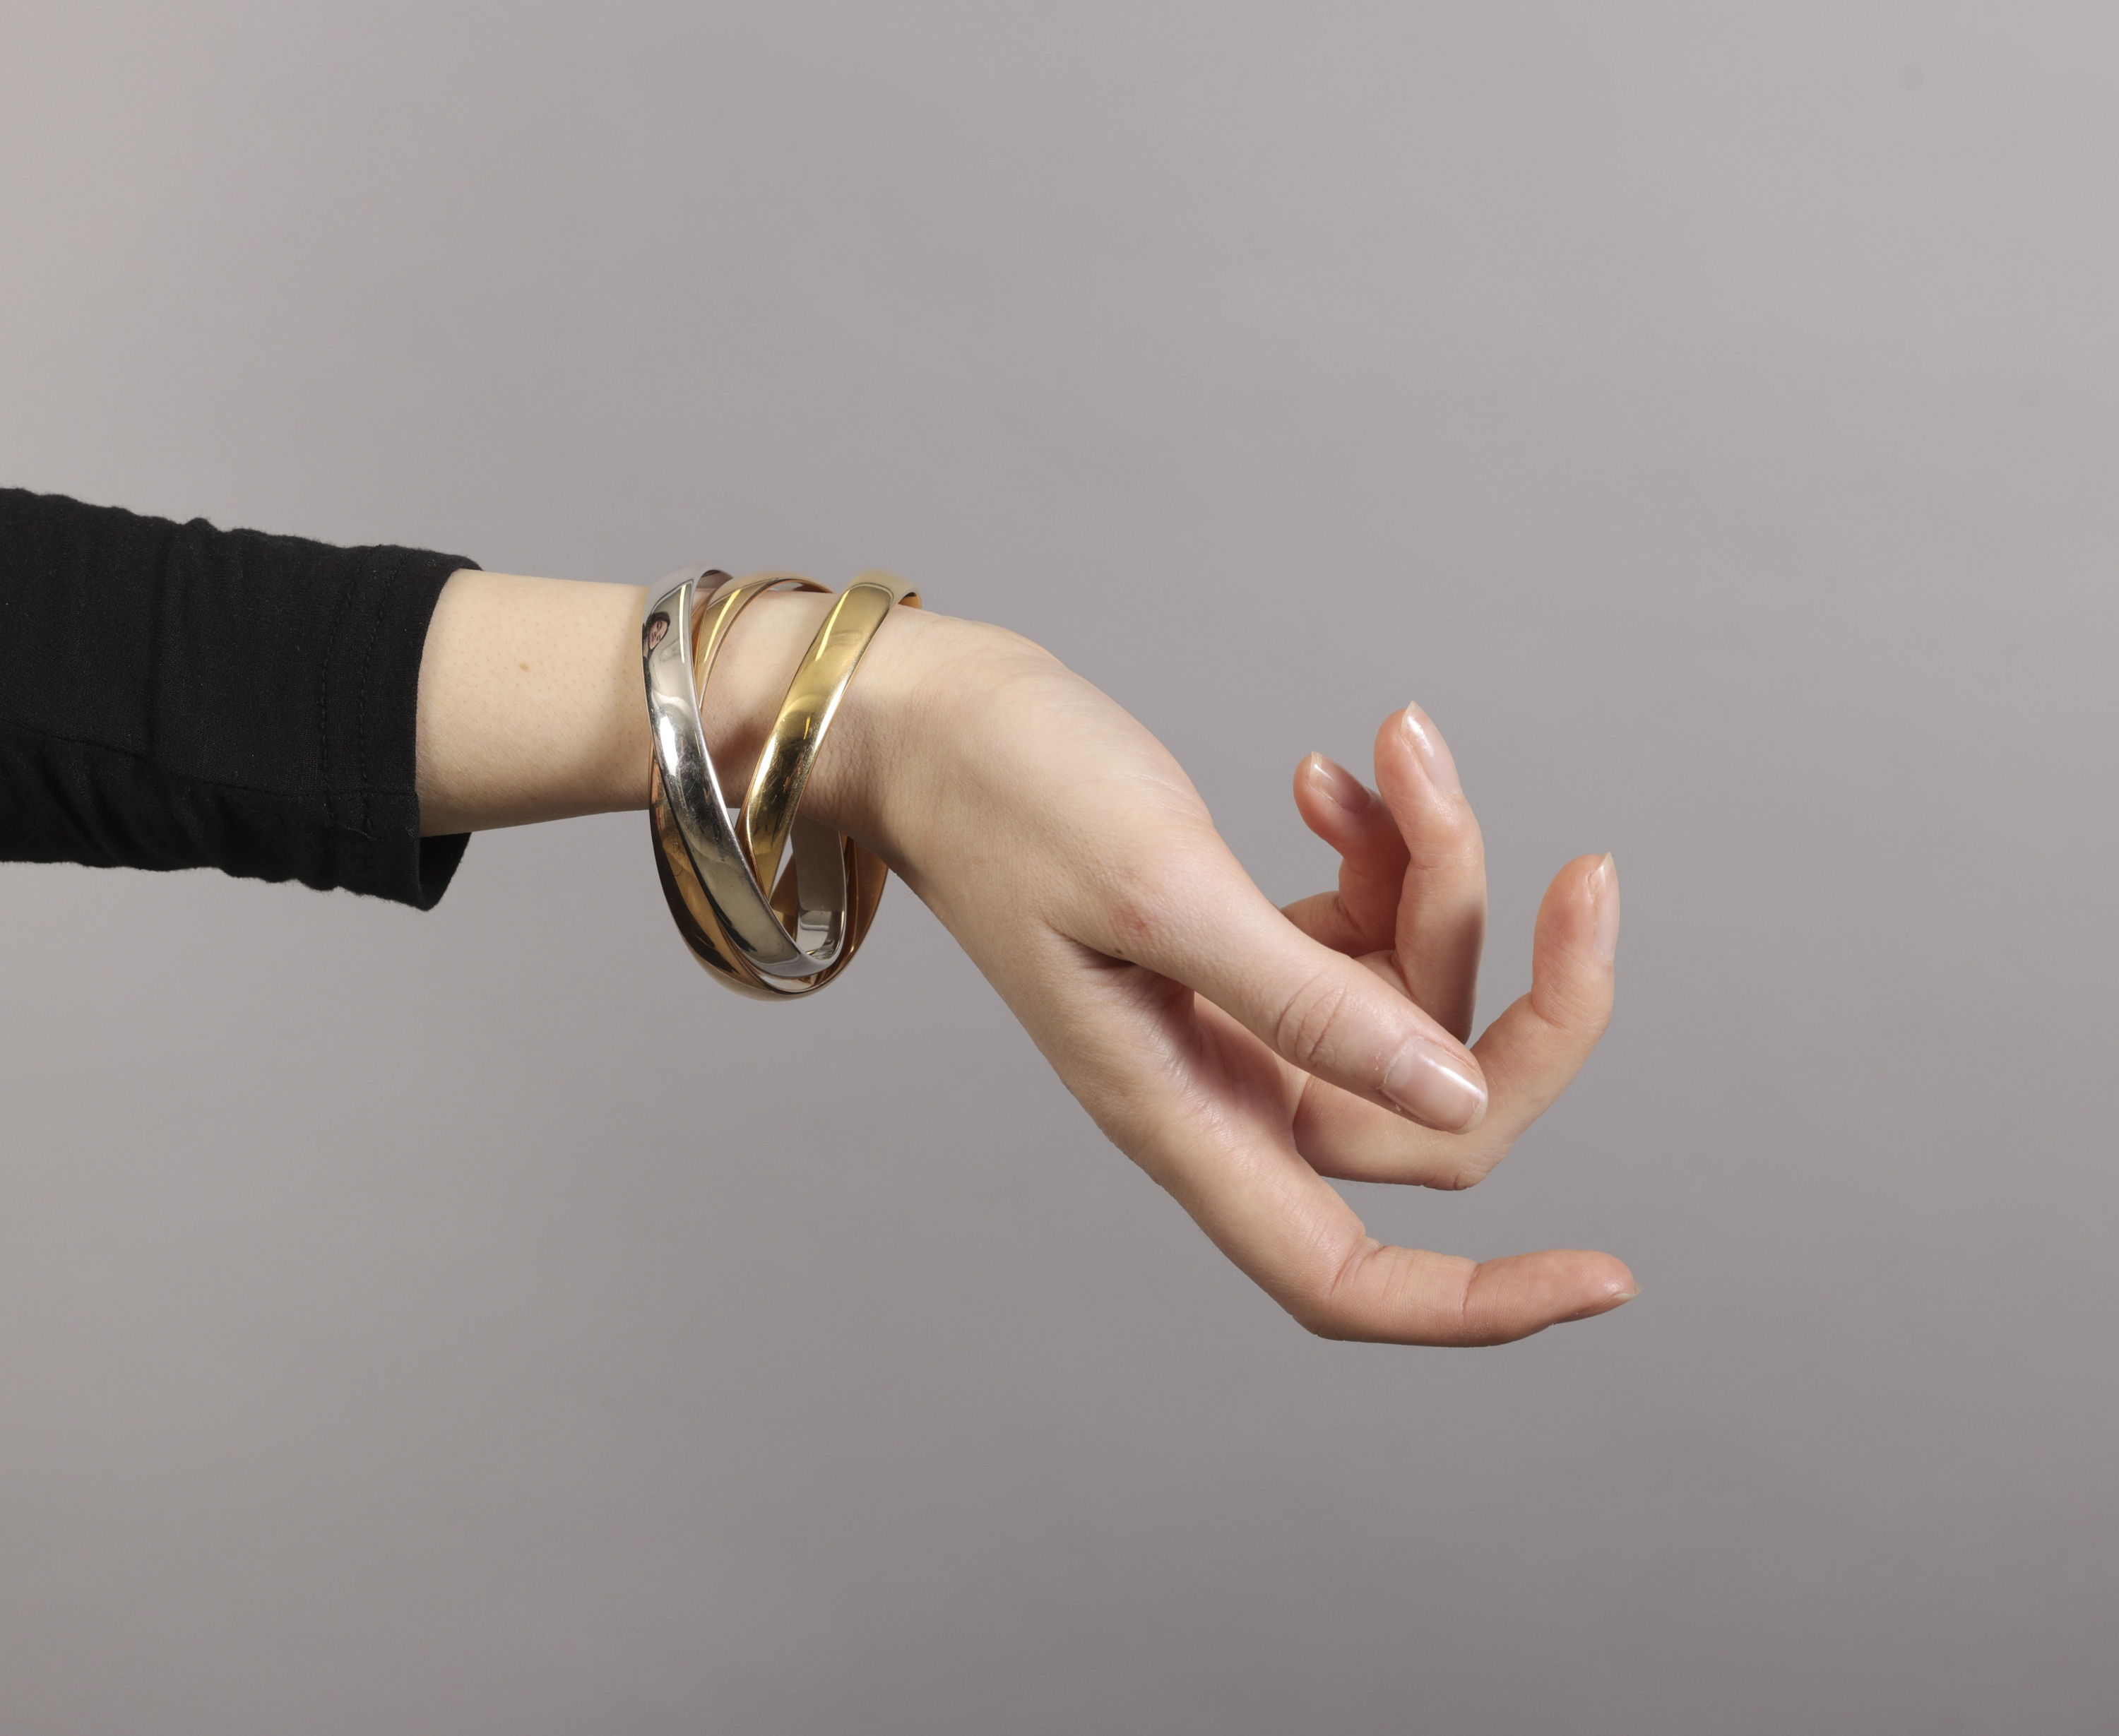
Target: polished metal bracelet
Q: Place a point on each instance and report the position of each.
(714, 859)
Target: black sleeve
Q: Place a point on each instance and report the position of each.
(175, 696)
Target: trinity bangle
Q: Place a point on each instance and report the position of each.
(716, 862)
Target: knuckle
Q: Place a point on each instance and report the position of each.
(1457, 842)
(1467, 1170)
(1303, 1027)
(1472, 1162)
(1324, 1307)
(1451, 845)
(1578, 1012)
(1317, 1316)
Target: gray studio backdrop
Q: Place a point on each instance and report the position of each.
(479, 1322)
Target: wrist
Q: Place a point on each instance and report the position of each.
(530, 702)
(916, 736)
(532, 705)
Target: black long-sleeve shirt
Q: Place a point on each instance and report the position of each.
(174, 696)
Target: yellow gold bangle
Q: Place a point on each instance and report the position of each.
(714, 862)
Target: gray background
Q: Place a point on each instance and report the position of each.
(477, 1322)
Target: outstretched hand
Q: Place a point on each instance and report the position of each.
(1242, 1054)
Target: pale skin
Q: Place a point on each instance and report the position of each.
(1242, 1055)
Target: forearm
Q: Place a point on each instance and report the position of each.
(175, 696)
(532, 706)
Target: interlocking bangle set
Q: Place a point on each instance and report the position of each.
(716, 861)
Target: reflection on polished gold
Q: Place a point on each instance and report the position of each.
(813, 700)
(798, 937)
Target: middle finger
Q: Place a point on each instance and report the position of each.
(1442, 909)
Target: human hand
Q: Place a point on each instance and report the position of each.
(1239, 1053)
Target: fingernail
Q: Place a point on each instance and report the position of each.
(1430, 1087)
(1344, 788)
(1433, 751)
(1605, 1303)
(1604, 890)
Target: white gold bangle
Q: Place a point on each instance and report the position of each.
(714, 859)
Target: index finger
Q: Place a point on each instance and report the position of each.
(1178, 1085)
(1194, 915)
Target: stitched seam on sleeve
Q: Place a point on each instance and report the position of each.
(361, 732)
(323, 696)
